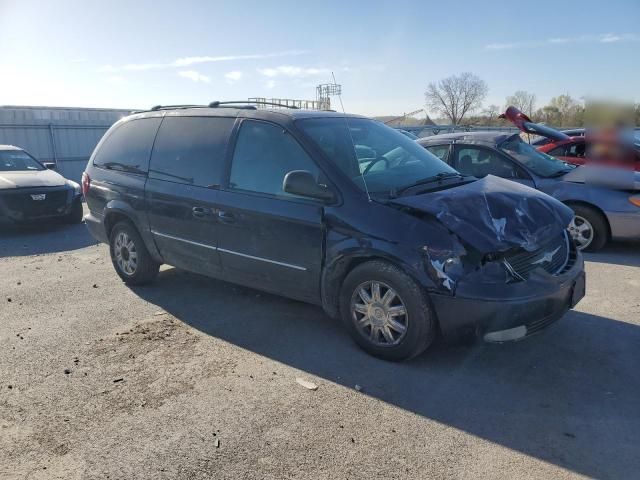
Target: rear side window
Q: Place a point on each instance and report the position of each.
(128, 147)
(264, 154)
(191, 150)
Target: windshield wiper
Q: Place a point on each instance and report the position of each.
(435, 178)
(122, 167)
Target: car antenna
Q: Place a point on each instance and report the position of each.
(353, 144)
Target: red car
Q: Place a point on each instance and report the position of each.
(601, 147)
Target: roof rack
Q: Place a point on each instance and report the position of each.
(155, 108)
(240, 104)
(216, 104)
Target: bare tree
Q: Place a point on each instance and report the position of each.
(491, 112)
(456, 96)
(523, 101)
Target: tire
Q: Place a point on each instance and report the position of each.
(143, 269)
(76, 214)
(595, 222)
(419, 321)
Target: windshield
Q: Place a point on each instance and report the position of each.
(17, 160)
(375, 157)
(540, 163)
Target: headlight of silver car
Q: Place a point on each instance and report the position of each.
(75, 186)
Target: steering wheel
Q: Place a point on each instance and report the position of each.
(375, 160)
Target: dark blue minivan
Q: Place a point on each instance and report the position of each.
(336, 210)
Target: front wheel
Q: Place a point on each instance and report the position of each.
(130, 256)
(588, 229)
(386, 312)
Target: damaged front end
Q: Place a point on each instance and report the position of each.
(500, 230)
(509, 267)
(450, 267)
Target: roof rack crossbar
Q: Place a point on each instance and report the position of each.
(216, 104)
(170, 107)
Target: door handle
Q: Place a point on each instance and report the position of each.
(199, 212)
(226, 217)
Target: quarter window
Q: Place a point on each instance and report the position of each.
(128, 147)
(191, 150)
(264, 154)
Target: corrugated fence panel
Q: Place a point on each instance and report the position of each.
(64, 135)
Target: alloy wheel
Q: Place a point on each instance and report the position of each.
(126, 254)
(379, 313)
(581, 231)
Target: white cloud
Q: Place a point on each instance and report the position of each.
(233, 76)
(270, 84)
(194, 76)
(293, 71)
(602, 38)
(188, 61)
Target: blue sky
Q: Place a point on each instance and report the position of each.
(138, 54)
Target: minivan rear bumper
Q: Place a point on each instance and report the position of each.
(501, 310)
(96, 227)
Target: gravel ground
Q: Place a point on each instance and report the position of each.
(194, 378)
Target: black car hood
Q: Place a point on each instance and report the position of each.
(493, 214)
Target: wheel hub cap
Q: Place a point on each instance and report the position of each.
(379, 313)
(126, 253)
(581, 231)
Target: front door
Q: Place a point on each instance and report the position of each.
(268, 238)
(182, 189)
(481, 161)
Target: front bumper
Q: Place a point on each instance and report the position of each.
(480, 309)
(18, 206)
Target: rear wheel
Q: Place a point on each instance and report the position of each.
(130, 256)
(386, 311)
(588, 228)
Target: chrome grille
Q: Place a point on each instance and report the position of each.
(553, 257)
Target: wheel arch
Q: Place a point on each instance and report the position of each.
(334, 274)
(116, 211)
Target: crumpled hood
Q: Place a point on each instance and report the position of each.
(40, 178)
(493, 214)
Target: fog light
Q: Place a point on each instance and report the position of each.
(506, 335)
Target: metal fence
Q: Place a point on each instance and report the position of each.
(428, 130)
(66, 136)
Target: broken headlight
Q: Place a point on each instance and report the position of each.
(446, 271)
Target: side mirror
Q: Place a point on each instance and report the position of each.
(49, 165)
(301, 182)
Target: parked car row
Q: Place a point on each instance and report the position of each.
(336, 210)
(602, 211)
(467, 235)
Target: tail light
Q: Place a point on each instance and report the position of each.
(86, 183)
(635, 200)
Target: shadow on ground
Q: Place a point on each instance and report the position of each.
(36, 239)
(569, 396)
(617, 253)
